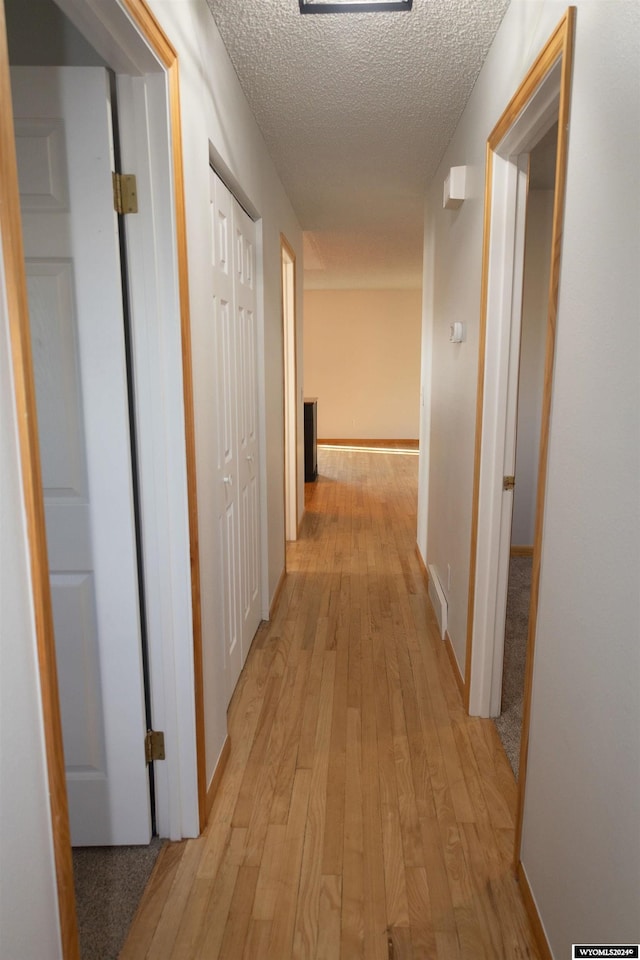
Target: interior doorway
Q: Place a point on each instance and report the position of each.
(145, 66)
(290, 390)
(541, 101)
(535, 296)
(64, 142)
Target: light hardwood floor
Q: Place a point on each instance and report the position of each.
(362, 814)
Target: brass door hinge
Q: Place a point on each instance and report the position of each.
(508, 483)
(125, 193)
(154, 745)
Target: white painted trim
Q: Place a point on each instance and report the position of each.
(159, 409)
(108, 27)
(438, 600)
(290, 395)
(503, 317)
(265, 599)
(159, 400)
(223, 171)
(513, 334)
(490, 496)
(539, 115)
(428, 274)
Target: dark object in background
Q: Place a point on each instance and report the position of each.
(310, 439)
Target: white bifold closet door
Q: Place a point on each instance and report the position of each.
(237, 493)
(65, 162)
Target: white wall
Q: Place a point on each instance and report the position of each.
(362, 361)
(581, 843)
(215, 114)
(532, 349)
(28, 902)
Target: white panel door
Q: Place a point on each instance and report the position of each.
(233, 286)
(64, 147)
(248, 447)
(226, 480)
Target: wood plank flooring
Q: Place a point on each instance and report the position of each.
(362, 815)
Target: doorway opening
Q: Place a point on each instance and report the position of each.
(132, 44)
(64, 141)
(541, 101)
(290, 390)
(537, 262)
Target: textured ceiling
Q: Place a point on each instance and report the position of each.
(357, 110)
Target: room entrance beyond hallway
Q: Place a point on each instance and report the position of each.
(541, 101)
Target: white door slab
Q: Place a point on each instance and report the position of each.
(233, 289)
(64, 146)
(248, 445)
(226, 482)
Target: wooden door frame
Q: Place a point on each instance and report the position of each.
(290, 394)
(133, 15)
(546, 88)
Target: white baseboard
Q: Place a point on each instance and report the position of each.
(438, 600)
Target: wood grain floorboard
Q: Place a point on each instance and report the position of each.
(361, 811)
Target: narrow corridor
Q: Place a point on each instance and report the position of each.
(360, 805)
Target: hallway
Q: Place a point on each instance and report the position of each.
(360, 805)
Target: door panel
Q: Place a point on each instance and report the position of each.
(73, 597)
(55, 359)
(64, 148)
(222, 283)
(234, 319)
(245, 294)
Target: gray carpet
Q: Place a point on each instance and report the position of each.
(109, 883)
(509, 723)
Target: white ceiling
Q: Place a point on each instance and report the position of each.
(357, 110)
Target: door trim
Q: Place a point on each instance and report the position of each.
(149, 28)
(129, 37)
(545, 91)
(290, 392)
(129, 21)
